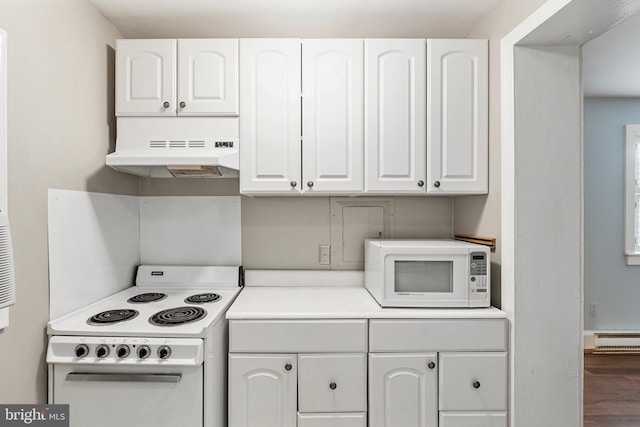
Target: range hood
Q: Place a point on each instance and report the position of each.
(177, 147)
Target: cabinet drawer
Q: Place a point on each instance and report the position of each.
(332, 420)
(473, 382)
(332, 382)
(473, 419)
(298, 336)
(438, 335)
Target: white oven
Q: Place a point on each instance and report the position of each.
(113, 391)
(152, 355)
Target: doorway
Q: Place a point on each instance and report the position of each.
(542, 199)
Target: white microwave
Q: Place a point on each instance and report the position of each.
(427, 273)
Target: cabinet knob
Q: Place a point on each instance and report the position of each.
(436, 184)
(183, 104)
(421, 183)
(431, 365)
(333, 386)
(310, 184)
(288, 367)
(476, 384)
(293, 184)
(166, 104)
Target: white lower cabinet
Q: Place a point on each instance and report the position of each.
(332, 420)
(319, 380)
(376, 373)
(473, 381)
(332, 382)
(403, 390)
(437, 373)
(262, 390)
(473, 419)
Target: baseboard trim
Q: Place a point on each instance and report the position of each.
(589, 338)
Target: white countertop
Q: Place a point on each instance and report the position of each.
(335, 302)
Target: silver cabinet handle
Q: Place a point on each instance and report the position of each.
(421, 183)
(476, 384)
(436, 184)
(166, 104)
(118, 377)
(293, 184)
(310, 184)
(333, 386)
(183, 104)
(431, 365)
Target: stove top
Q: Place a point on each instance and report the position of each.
(170, 310)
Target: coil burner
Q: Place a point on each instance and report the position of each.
(112, 316)
(147, 297)
(177, 316)
(202, 298)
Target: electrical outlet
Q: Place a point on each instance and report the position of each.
(593, 309)
(324, 256)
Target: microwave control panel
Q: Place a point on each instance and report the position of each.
(478, 273)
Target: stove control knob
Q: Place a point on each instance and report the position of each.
(164, 352)
(122, 351)
(102, 351)
(143, 352)
(82, 350)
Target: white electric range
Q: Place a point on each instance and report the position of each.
(154, 354)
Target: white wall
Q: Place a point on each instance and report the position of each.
(608, 281)
(60, 126)
(546, 347)
(481, 214)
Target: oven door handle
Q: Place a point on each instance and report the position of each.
(120, 377)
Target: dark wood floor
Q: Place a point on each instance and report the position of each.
(611, 390)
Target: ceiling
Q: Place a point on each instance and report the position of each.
(294, 18)
(611, 62)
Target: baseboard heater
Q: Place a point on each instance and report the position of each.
(616, 343)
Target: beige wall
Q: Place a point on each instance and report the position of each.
(60, 126)
(286, 232)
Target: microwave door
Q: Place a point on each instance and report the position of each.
(427, 281)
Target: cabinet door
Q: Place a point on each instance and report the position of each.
(395, 115)
(270, 116)
(473, 419)
(457, 116)
(347, 419)
(146, 77)
(208, 77)
(473, 382)
(262, 390)
(403, 390)
(332, 87)
(332, 382)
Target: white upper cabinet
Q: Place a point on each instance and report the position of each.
(352, 116)
(146, 77)
(270, 127)
(457, 116)
(332, 120)
(395, 115)
(207, 77)
(167, 77)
